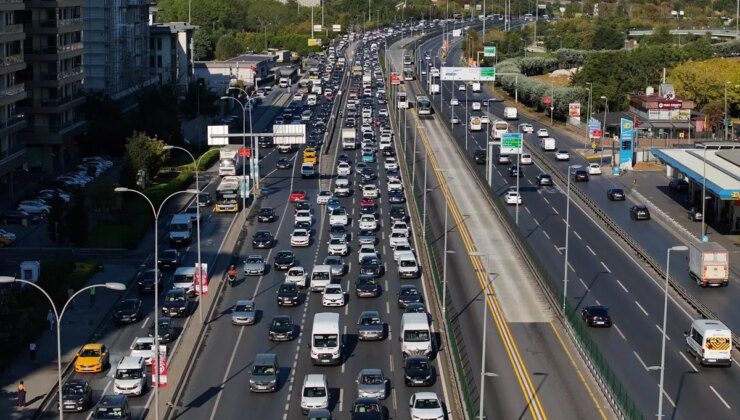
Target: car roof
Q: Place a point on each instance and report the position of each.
(369, 313)
(426, 395)
(244, 302)
(92, 346)
(314, 379)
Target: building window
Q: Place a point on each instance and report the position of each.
(159, 44)
(151, 61)
(159, 61)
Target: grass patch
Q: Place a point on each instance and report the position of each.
(553, 80)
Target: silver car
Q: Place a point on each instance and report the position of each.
(370, 326)
(371, 383)
(243, 313)
(338, 268)
(254, 265)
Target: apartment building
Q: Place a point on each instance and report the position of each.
(12, 147)
(170, 52)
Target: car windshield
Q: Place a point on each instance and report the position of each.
(366, 408)
(408, 263)
(325, 340)
(243, 308)
(418, 364)
(426, 403)
(263, 370)
(285, 255)
(286, 288)
(175, 297)
(108, 413)
(143, 345)
(254, 260)
(411, 291)
(280, 322)
(178, 227)
(371, 379)
(416, 336)
(312, 392)
(599, 311)
(128, 373)
(73, 389)
(128, 304)
(90, 353)
(370, 320)
(169, 253)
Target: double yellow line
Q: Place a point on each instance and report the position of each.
(517, 362)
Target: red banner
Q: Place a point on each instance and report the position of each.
(197, 277)
(245, 152)
(161, 378)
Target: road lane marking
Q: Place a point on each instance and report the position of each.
(641, 308)
(548, 236)
(555, 210)
(620, 332)
(605, 267)
(590, 250)
(583, 283)
(660, 330)
(387, 307)
(622, 286)
(226, 374)
(688, 362)
(577, 235)
(143, 324)
(640, 360)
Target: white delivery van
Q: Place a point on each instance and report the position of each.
(320, 277)
(710, 342)
(181, 229)
(511, 113)
(408, 268)
(130, 376)
(184, 278)
(547, 144)
(326, 339)
(416, 335)
(311, 99)
(284, 82)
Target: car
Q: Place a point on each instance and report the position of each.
(367, 236)
(296, 275)
(504, 159)
(370, 191)
(454, 120)
(417, 371)
(6, 238)
(19, 217)
(544, 180)
(112, 407)
(263, 239)
(454, 102)
(594, 169)
(398, 213)
(596, 316)
(542, 133)
(339, 217)
(344, 169)
(333, 295)
(426, 405)
(475, 105)
(694, 214)
(370, 327)
(639, 212)
(391, 164)
(396, 197)
(368, 222)
(408, 293)
(525, 159)
(175, 303)
(145, 280)
(301, 205)
(479, 156)
(336, 264)
(515, 171)
(397, 238)
(315, 392)
(338, 231)
(193, 210)
(288, 294)
(372, 383)
(678, 185)
(143, 347)
(298, 195)
(254, 265)
(303, 216)
(562, 155)
(92, 358)
(368, 157)
(366, 251)
(169, 258)
(372, 266)
(484, 119)
(319, 414)
(615, 194)
(300, 237)
(512, 197)
(284, 260)
(243, 313)
(580, 175)
(367, 286)
(461, 87)
(283, 163)
(338, 246)
(333, 204)
(323, 197)
(526, 128)
(281, 328)
(36, 207)
(266, 215)
(415, 308)
(165, 329)
(128, 311)
(76, 396)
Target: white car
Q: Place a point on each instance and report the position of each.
(344, 169)
(562, 155)
(303, 216)
(513, 197)
(454, 120)
(398, 238)
(298, 97)
(454, 102)
(426, 405)
(542, 132)
(34, 207)
(395, 186)
(143, 347)
(296, 275)
(526, 128)
(300, 237)
(461, 88)
(525, 159)
(366, 128)
(338, 246)
(476, 106)
(338, 217)
(383, 112)
(368, 222)
(315, 392)
(366, 251)
(400, 227)
(370, 191)
(390, 164)
(404, 246)
(323, 197)
(594, 169)
(333, 295)
(485, 119)
(423, 71)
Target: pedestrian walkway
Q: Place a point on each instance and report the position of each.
(78, 326)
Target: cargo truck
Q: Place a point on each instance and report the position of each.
(709, 264)
(349, 139)
(434, 88)
(476, 86)
(229, 163)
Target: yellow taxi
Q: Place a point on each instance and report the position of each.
(309, 155)
(92, 358)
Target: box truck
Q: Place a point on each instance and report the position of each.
(709, 264)
(349, 139)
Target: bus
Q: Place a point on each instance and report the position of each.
(407, 61)
(499, 129)
(403, 101)
(227, 195)
(408, 73)
(423, 105)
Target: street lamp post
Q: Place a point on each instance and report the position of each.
(704, 195)
(444, 262)
(110, 285)
(244, 106)
(567, 235)
(588, 111)
(603, 132)
(485, 293)
(424, 205)
(727, 119)
(678, 248)
(156, 212)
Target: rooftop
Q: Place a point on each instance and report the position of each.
(722, 170)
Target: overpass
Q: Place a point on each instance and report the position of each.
(715, 32)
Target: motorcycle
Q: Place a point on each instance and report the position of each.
(231, 279)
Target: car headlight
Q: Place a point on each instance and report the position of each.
(251, 382)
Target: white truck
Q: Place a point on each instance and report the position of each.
(547, 144)
(709, 264)
(434, 88)
(367, 78)
(476, 87)
(229, 162)
(349, 139)
(510, 113)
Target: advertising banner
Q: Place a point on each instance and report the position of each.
(456, 33)
(489, 51)
(197, 279)
(574, 110)
(626, 144)
(594, 128)
(336, 28)
(159, 373)
(466, 6)
(314, 42)
(317, 28)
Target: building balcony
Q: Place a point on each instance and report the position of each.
(13, 124)
(57, 26)
(54, 52)
(54, 134)
(61, 78)
(10, 33)
(55, 105)
(11, 5)
(54, 3)
(12, 94)
(12, 63)
(11, 159)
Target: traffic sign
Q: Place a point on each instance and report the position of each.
(546, 100)
(489, 51)
(511, 144)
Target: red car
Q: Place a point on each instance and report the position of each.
(329, 96)
(367, 202)
(298, 196)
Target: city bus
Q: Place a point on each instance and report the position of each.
(498, 130)
(423, 105)
(227, 195)
(403, 101)
(407, 61)
(408, 73)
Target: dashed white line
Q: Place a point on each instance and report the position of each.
(660, 330)
(640, 360)
(143, 324)
(546, 234)
(605, 267)
(641, 308)
(527, 209)
(228, 370)
(546, 200)
(555, 210)
(577, 235)
(340, 397)
(583, 283)
(622, 286)
(620, 332)
(688, 361)
(557, 249)
(590, 250)
(387, 307)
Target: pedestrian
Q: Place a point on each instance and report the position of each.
(32, 351)
(92, 296)
(70, 293)
(51, 319)
(21, 398)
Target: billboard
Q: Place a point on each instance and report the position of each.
(336, 28)
(468, 74)
(196, 279)
(489, 51)
(289, 133)
(574, 110)
(159, 373)
(594, 128)
(214, 131)
(456, 33)
(314, 42)
(626, 143)
(317, 28)
(511, 144)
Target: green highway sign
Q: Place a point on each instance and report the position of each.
(489, 51)
(511, 144)
(487, 74)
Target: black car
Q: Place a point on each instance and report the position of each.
(112, 407)
(596, 316)
(367, 286)
(544, 180)
(265, 142)
(288, 295)
(515, 171)
(615, 194)
(580, 175)
(417, 371)
(639, 212)
(166, 330)
(169, 258)
(263, 239)
(369, 175)
(18, 217)
(396, 197)
(371, 266)
(388, 152)
(175, 303)
(479, 156)
(283, 163)
(371, 209)
(408, 293)
(344, 158)
(281, 328)
(76, 396)
(145, 281)
(128, 311)
(266, 215)
(367, 408)
(678, 185)
(415, 308)
(205, 199)
(302, 205)
(398, 213)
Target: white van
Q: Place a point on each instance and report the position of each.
(320, 277)
(408, 268)
(315, 392)
(326, 339)
(181, 229)
(510, 113)
(416, 335)
(311, 99)
(710, 342)
(130, 376)
(184, 278)
(547, 144)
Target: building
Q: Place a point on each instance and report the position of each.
(12, 147)
(247, 69)
(170, 51)
(663, 114)
(116, 38)
(53, 81)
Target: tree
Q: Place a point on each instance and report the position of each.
(227, 47)
(107, 128)
(199, 100)
(202, 45)
(76, 222)
(703, 81)
(714, 113)
(143, 152)
(158, 113)
(608, 37)
(55, 221)
(660, 35)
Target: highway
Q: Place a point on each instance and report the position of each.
(219, 384)
(600, 272)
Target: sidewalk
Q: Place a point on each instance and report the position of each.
(78, 325)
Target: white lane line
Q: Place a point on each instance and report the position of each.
(577, 235)
(536, 222)
(390, 361)
(143, 324)
(590, 250)
(546, 234)
(387, 307)
(640, 360)
(720, 397)
(660, 330)
(527, 209)
(621, 334)
(605, 267)
(555, 210)
(340, 398)
(546, 200)
(641, 308)
(688, 361)
(622, 286)
(226, 374)
(670, 400)
(571, 268)
(583, 283)
(557, 249)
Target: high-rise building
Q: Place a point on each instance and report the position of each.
(170, 58)
(12, 147)
(53, 81)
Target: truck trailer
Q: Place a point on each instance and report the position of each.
(709, 264)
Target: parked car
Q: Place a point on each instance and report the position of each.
(695, 214)
(678, 185)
